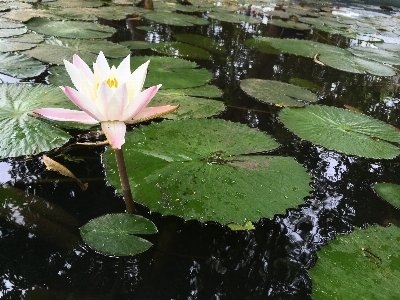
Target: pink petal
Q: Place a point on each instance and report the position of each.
(149, 113)
(76, 76)
(62, 114)
(139, 102)
(80, 64)
(84, 103)
(115, 133)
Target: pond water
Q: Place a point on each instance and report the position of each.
(189, 259)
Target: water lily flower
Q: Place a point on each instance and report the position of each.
(111, 96)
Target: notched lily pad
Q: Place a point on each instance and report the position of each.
(20, 66)
(276, 92)
(371, 253)
(196, 169)
(342, 130)
(115, 234)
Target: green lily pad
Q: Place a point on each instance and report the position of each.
(114, 234)
(70, 29)
(137, 45)
(173, 73)
(361, 265)
(20, 66)
(25, 15)
(332, 56)
(5, 23)
(22, 42)
(8, 32)
(178, 49)
(189, 107)
(342, 130)
(390, 192)
(56, 50)
(246, 226)
(202, 42)
(375, 54)
(174, 19)
(276, 92)
(22, 133)
(232, 17)
(301, 82)
(76, 3)
(196, 169)
(290, 24)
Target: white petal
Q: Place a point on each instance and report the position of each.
(118, 103)
(77, 76)
(84, 103)
(80, 64)
(136, 80)
(115, 133)
(104, 94)
(124, 70)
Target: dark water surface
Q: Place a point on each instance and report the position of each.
(190, 260)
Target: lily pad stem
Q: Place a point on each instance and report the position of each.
(123, 176)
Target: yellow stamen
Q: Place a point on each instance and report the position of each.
(112, 82)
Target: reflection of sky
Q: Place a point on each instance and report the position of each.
(333, 165)
(5, 175)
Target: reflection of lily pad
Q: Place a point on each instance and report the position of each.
(364, 264)
(20, 66)
(390, 192)
(21, 133)
(201, 42)
(70, 29)
(114, 234)
(196, 169)
(276, 92)
(56, 50)
(342, 130)
(173, 73)
(232, 17)
(178, 49)
(175, 19)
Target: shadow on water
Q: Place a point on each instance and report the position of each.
(46, 259)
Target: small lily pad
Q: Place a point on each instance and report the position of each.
(115, 234)
(70, 29)
(342, 130)
(196, 169)
(22, 42)
(232, 17)
(290, 24)
(276, 92)
(390, 192)
(8, 32)
(137, 45)
(201, 42)
(364, 264)
(22, 133)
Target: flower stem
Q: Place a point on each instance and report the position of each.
(123, 176)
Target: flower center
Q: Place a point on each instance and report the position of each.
(112, 82)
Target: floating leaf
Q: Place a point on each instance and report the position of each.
(364, 264)
(342, 130)
(375, 54)
(56, 50)
(70, 29)
(290, 24)
(247, 226)
(25, 15)
(12, 32)
(75, 3)
(276, 92)
(196, 169)
(305, 84)
(56, 166)
(22, 42)
(23, 134)
(175, 19)
(390, 192)
(137, 45)
(232, 17)
(173, 73)
(201, 42)
(4, 23)
(20, 66)
(181, 50)
(114, 234)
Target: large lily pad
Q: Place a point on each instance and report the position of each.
(22, 42)
(173, 73)
(56, 50)
(115, 234)
(175, 19)
(276, 92)
(8, 32)
(22, 133)
(70, 29)
(376, 54)
(390, 192)
(362, 265)
(201, 42)
(232, 17)
(342, 130)
(196, 169)
(20, 66)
